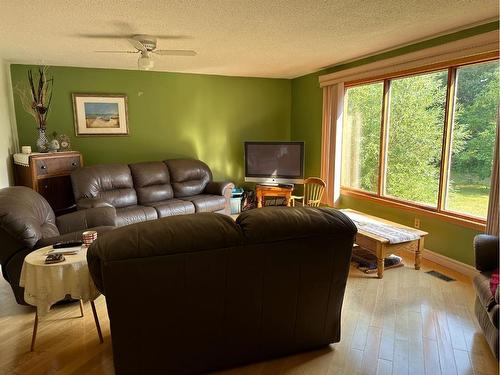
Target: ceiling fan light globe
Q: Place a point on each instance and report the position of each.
(145, 63)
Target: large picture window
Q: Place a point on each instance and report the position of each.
(424, 139)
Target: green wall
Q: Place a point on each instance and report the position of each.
(307, 114)
(171, 115)
(448, 239)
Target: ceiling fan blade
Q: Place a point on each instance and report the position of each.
(175, 52)
(171, 37)
(105, 36)
(128, 35)
(117, 51)
(138, 45)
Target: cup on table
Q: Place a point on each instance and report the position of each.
(88, 237)
(26, 149)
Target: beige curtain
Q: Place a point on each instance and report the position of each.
(326, 142)
(331, 139)
(492, 223)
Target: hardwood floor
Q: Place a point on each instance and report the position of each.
(407, 323)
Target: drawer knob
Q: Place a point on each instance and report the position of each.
(74, 164)
(43, 167)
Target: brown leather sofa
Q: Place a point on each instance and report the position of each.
(27, 222)
(201, 292)
(151, 190)
(486, 307)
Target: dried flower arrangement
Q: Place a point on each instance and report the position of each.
(36, 98)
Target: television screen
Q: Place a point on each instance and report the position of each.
(274, 161)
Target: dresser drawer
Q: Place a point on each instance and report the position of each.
(57, 165)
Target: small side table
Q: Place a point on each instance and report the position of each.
(46, 284)
(262, 191)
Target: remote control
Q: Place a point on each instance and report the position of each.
(65, 244)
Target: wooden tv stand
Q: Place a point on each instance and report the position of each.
(262, 191)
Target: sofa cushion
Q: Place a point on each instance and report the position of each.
(111, 182)
(173, 207)
(482, 286)
(188, 177)
(134, 214)
(276, 223)
(151, 181)
(167, 236)
(207, 202)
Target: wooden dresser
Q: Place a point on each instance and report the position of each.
(49, 175)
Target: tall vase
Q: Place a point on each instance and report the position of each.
(42, 141)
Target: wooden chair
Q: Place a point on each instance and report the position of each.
(314, 188)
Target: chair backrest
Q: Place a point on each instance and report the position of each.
(314, 189)
(25, 217)
(188, 176)
(151, 181)
(112, 183)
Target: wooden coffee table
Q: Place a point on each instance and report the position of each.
(381, 246)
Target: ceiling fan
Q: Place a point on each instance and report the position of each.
(146, 46)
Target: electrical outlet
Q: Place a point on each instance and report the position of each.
(417, 223)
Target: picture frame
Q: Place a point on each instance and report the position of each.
(100, 114)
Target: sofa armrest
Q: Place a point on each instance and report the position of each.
(86, 203)
(486, 252)
(84, 219)
(71, 236)
(224, 188)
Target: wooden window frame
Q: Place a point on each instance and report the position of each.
(379, 197)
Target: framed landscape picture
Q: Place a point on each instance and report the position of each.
(100, 114)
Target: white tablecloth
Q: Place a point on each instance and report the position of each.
(46, 284)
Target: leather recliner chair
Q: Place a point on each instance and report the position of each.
(486, 306)
(150, 190)
(195, 293)
(27, 223)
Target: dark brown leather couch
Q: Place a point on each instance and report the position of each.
(151, 190)
(27, 222)
(194, 293)
(486, 307)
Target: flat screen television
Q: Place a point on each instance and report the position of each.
(274, 162)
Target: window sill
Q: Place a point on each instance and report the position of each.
(469, 222)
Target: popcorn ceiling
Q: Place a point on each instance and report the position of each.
(258, 38)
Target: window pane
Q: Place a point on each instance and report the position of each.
(473, 139)
(415, 133)
(361, 136)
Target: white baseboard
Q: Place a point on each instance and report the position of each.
(455, 265)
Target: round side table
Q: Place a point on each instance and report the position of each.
(46, 284)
